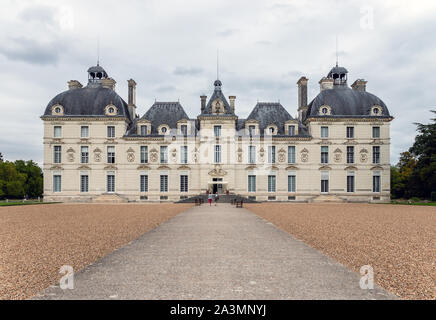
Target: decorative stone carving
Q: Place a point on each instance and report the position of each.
(261, 154)
(130, 155)
(363, 155)
(282, 155)
(239, 155)
(70, 154)
(174, 155)
(304, 155)
(153, 155)
(195, 155)
(97, 155)
(337, 155)
(217, 172)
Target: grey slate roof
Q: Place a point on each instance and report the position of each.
(165, 113)
(345, 101)
(88, 101)
(267, 113)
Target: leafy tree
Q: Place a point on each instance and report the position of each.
(11, 181)
(397, 184)
(1, 157)
(34, 182)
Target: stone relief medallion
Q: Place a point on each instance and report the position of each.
(304, 155)
(363, 155)
(70, 154)
(282, 155)
(153, 155)
(174, 155)
(217, 172)
(337, 155)
(97, 155)
(130, 155)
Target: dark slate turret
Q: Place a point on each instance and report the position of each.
(217, 95)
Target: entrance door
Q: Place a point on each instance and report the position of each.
(214, 188)
(217, 187)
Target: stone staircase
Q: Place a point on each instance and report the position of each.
(223, 198)
(325, 198)
(110, 198)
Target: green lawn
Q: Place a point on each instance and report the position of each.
(21, 203)
(414, 203)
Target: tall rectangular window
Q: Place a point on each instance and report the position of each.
(324, 181)
(57, 154)
(110, 182)
(184, 130)
(57, 131)
(84, 131)
(143, 130)
(143, 183)
(291, 154)
(164, 183)
(376, 154)
(324, 154)
(251, 154)
(272, 154)
(251, 130)
(217, 131)
(84, 154)
(111, 131)
(376, 132)
(183, 154)
(291, 130)
(111, 154)
(350, 154)
(291, 182)
(163, 154)
(57, 183)
(350, 181)
(376, 182)
(324, 132)
(84, 183)
(350, 132)
(144, 154)
(217, 154)
(183, 183)
(251, 183)
(272, 183)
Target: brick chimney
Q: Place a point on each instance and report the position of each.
(203, 103)
(108, 83)
(232, 103)
(359, 85)
(131, 97)
(74, 84)
(325, 84)
(302, 97)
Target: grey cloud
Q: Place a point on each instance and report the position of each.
(227, 32)
(41, 13)
(31, 51)
(166, 89)
(187, 71)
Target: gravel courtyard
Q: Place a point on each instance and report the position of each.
(35, 241)
(399, 242)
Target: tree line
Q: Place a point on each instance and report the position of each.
(415, 173)
(20, 179)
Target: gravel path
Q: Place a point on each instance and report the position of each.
(398, 241)
(216, 253)
(35, 241)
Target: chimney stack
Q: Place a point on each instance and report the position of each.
(203, 103)
(302, 97)
(232, 103)
(325, 84)
(131, 98)
(74, 84)
(108, 83)
(359, 85)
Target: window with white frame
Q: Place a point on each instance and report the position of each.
(184, 130)
(144, 129)
(110, 154)
(271, 154)
(291, 154)
(183, 183)
(111, 131)
(217, 154)
(163, 183)
(292, 179)
(376, 132)
(163, 154)
(251, 154)
(217, 131)
(324, 154)
(350, 181)
(144, 154)
(375, 154)
(143, 184)
(350, 132)
(84, 131)
(57, 154)
(57, 182)
(251, 183)
(84, 183)
(251, 130)
(324, 181)
(110, 182)
(57, 131)
(291, 130)
(84, 154)
(271, 183)
(183, 154)
(324, 132)
(350, 154)
(376, 181)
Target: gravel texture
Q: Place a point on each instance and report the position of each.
(399, 242)
(35, 241)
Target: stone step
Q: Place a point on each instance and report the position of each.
(109, 198)
(327, 198)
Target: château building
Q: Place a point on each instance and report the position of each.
(97, 148)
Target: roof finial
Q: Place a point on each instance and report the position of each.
(337, 54)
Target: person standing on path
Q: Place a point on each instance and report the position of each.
(216, 197)
(209, 197)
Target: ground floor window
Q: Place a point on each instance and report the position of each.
(350, 182)
(144, 183)
(376, 182)
(163, 183)
(291, 183)
(184, 183)
(251, 183)
(271, 183)
(57, 181)
(324, 182)
(110, 185)
(84, 183)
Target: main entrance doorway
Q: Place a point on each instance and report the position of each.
(217, 186)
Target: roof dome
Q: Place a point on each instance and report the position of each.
(217, 83)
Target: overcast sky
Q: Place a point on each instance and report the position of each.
(169, 48)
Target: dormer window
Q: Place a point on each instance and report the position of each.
(376, 111)
(271, 130)
(184, 130)
(143, 130)
(111, 110)
(251, 130)
(291, 130)
(163, 129)
(57, 110)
